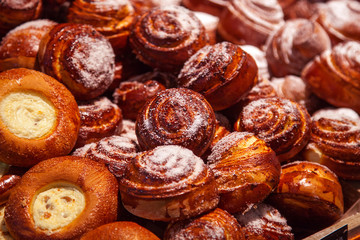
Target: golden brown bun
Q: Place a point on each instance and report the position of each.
(217, 224)
(120, 231)
(168, 183)
(23, 149)
(20, 46)
(246, 171)
(93, 180)
(308, 194)
(223, 73)
(213, 7)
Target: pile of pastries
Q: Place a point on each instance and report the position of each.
(192, 119)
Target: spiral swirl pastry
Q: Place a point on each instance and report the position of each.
(166, 37)
(250, 21)
(223, 73)
(246, 170)
(339, 19)
(99, 118)
(335, 76)
(213, 7)
(114, 19)
(168, 183)
(176, 116)
(281, 123)
(79, 57)
(217, 224)
(295, 44)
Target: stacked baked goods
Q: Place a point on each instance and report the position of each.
(206, 119)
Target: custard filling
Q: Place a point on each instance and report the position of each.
(27, 115)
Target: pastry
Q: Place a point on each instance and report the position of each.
(260, 59)
(264, 222)
(166, 37)
(99, 118)
(295, 44)
(79, 57)
(142, 6)
(334, 75)
(301, 8)
(335, 140)
(4, 232)
(176, 116)
(246, 170)
(308, 195)
(223, 73)
(250, 21)
(210, 23)
(124, 230)
(217, 224)
(20, 46)
(281, 123)
(213, 7)
(128, 130)
(37, 113)
(168, 183)
(49, 205)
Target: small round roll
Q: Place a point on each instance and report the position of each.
(39, 118)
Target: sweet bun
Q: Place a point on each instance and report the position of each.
(37, 113)
(49, 205)
(301, 8)
(260, 58)
(213, 7)
(210, 23)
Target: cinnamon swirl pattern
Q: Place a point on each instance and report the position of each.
(176, 116)
(217, 224)
(223, 73)
(281, 123)
(166, 37)
(80, 57)
(250, 22)
(335, 76)
(295, 44)
(246, 171)
(168, 183)
(335, 141)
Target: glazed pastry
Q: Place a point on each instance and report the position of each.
(334, 141)
(308, 195)
(36, 113)
(49, 205)
(300, 8)
(120, 230)
(260, 59)
(168, 183)
(14, 13)
(334, 75)
(99, 118)
(281, 123)
(79, 57)
(223, 73)
(217, 224)
(166, 37)
(210, 23)
(246, 171)
(4, 232)
(250, 21)
(20, 46)
(113, 19)
(213, 7)
(176, 116)
(295, 44)
(264, 222)
(131, 96)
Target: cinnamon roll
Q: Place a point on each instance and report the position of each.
(168, 183)
(166, 37)
(79, 57)
(39, 118)
(128, 130)
(260, 59)
(113, 19)
(308, 195)
(210, 23)
(217, 224)
(223, 73)
(246, 171)
(281, 123)
(176, 116)
(213, 7)
(250, 21)
(334, 75)
(20, 46)
(295, 44)
(49, 205)
(335, 140)
(99, 118)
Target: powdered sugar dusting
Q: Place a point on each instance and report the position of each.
(340, 114)
(82, 151)
(35, 24)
